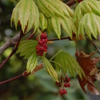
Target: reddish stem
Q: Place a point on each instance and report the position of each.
(93, 44)
(30, 36)
(14, 78)
(13, 51)
(24, 74)
(71, 2)
(55, 39)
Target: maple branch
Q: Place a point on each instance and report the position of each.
(9, 43)
(13, 51)
(30, 36)
(76, 46)
(13, 41)
(71, 2)
(14, 78)
(64, 38)
(24, 74)
(93, 44)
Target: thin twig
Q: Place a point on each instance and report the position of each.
(76, 45)
(24, 74)
(14, 78)
(9, 43)
(55, 39)
(13, 41)
(93, 44)
(71, 2)
(13, 51)
(30, 36)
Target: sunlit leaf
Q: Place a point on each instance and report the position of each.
(71, 12)
(49, 27)
(94, 5)
(36, 24)
(68, 63)
(55, 23)
(89, 25)
(26, 14)
(15, 14)
(50, 69)
(43, 21)
(43, 7)
(32, 61)
(26, 48)
(78, 13)
(68, 25)
(32, 17)
(86, 6)
(54, 6)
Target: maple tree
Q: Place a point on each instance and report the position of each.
(42, 17)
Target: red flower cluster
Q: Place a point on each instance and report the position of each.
(42, 45)
(65, 83)
(62, 92)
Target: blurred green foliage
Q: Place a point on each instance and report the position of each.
(39, 86)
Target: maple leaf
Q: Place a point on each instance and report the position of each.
(88, 63)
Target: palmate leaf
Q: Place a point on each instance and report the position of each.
(26, 13)
(63, 8)
(49, 68)
(49, 27)
(55, 24)
(78, 14)
(89, 24)
(26, 48)
(56, 27)
(32, 61)
(68, 63)
(43, 21)
(36, 23)
(43, 7)
(68, 25)
(94, 5)
(15, 14)
(33, 16)
(87, 6)
(70, 11)
(52, 8)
